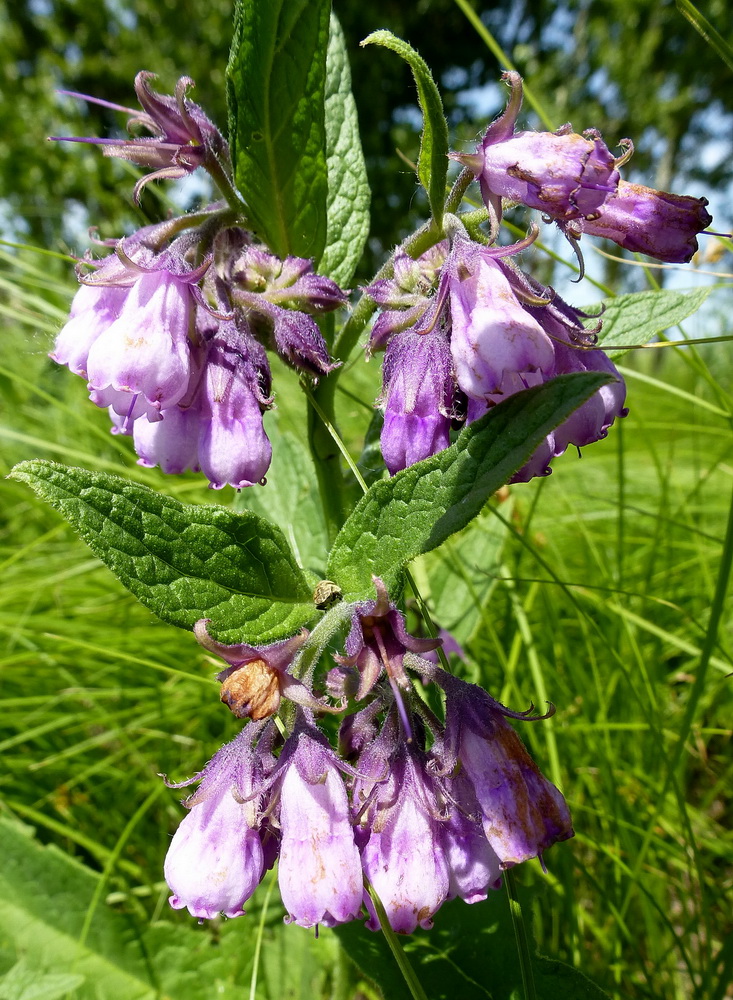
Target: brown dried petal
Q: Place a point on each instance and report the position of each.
(253, 691)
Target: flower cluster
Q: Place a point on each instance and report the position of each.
(463, 327)
(481, 331)
(424, 810)
(574, 180)
(170, 329)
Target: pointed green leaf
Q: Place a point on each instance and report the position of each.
(638, 317)
(416, 510)
(432, 164)
(183, 561)
(457, 580)
(276, 81)
(348, 187)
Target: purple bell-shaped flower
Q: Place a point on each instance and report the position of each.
(319, 871)
(215, 860)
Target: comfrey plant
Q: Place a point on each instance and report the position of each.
(423, 792)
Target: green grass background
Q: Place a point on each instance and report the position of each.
(597, 589)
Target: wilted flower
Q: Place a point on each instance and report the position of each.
(182, 136)
(378, 640)
(643, 220)
(258, 677)
(563, 174)
(522, 812)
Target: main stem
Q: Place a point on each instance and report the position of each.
(326, 457)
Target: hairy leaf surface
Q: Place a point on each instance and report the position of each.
(432, 164)
(347, 225)
(416, 510)
(638, 317)
(183, 561)
(276, 81)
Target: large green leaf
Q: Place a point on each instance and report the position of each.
(432, 164)
(470, 954)
(27, 982)
(416, 510)
(183, 561)
(638, 317)
(348, 188)
(276, 81)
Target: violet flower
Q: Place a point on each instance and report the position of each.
(276, 297)
(497, 346)
(655, 223)
(400, 828)
(215, 860)
(182, 136)
(319, 871)
(130, 324)
(233, 448)
(378, 641)
(418, 395)
(563, 174)
(473, 867)
(522, 812)
(93, 310)
(146, 350)
(405, 296)
(170, 442)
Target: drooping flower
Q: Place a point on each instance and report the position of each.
(93, 310)
(233, 447)
(563, 174)
(418, 395)
(146, 350)
(473, 867)
(401, 830)
(498, 347)
(522, 812)
(129, 331)
(644, 220)
(319, 870)
(572, 351)
(215, 860)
